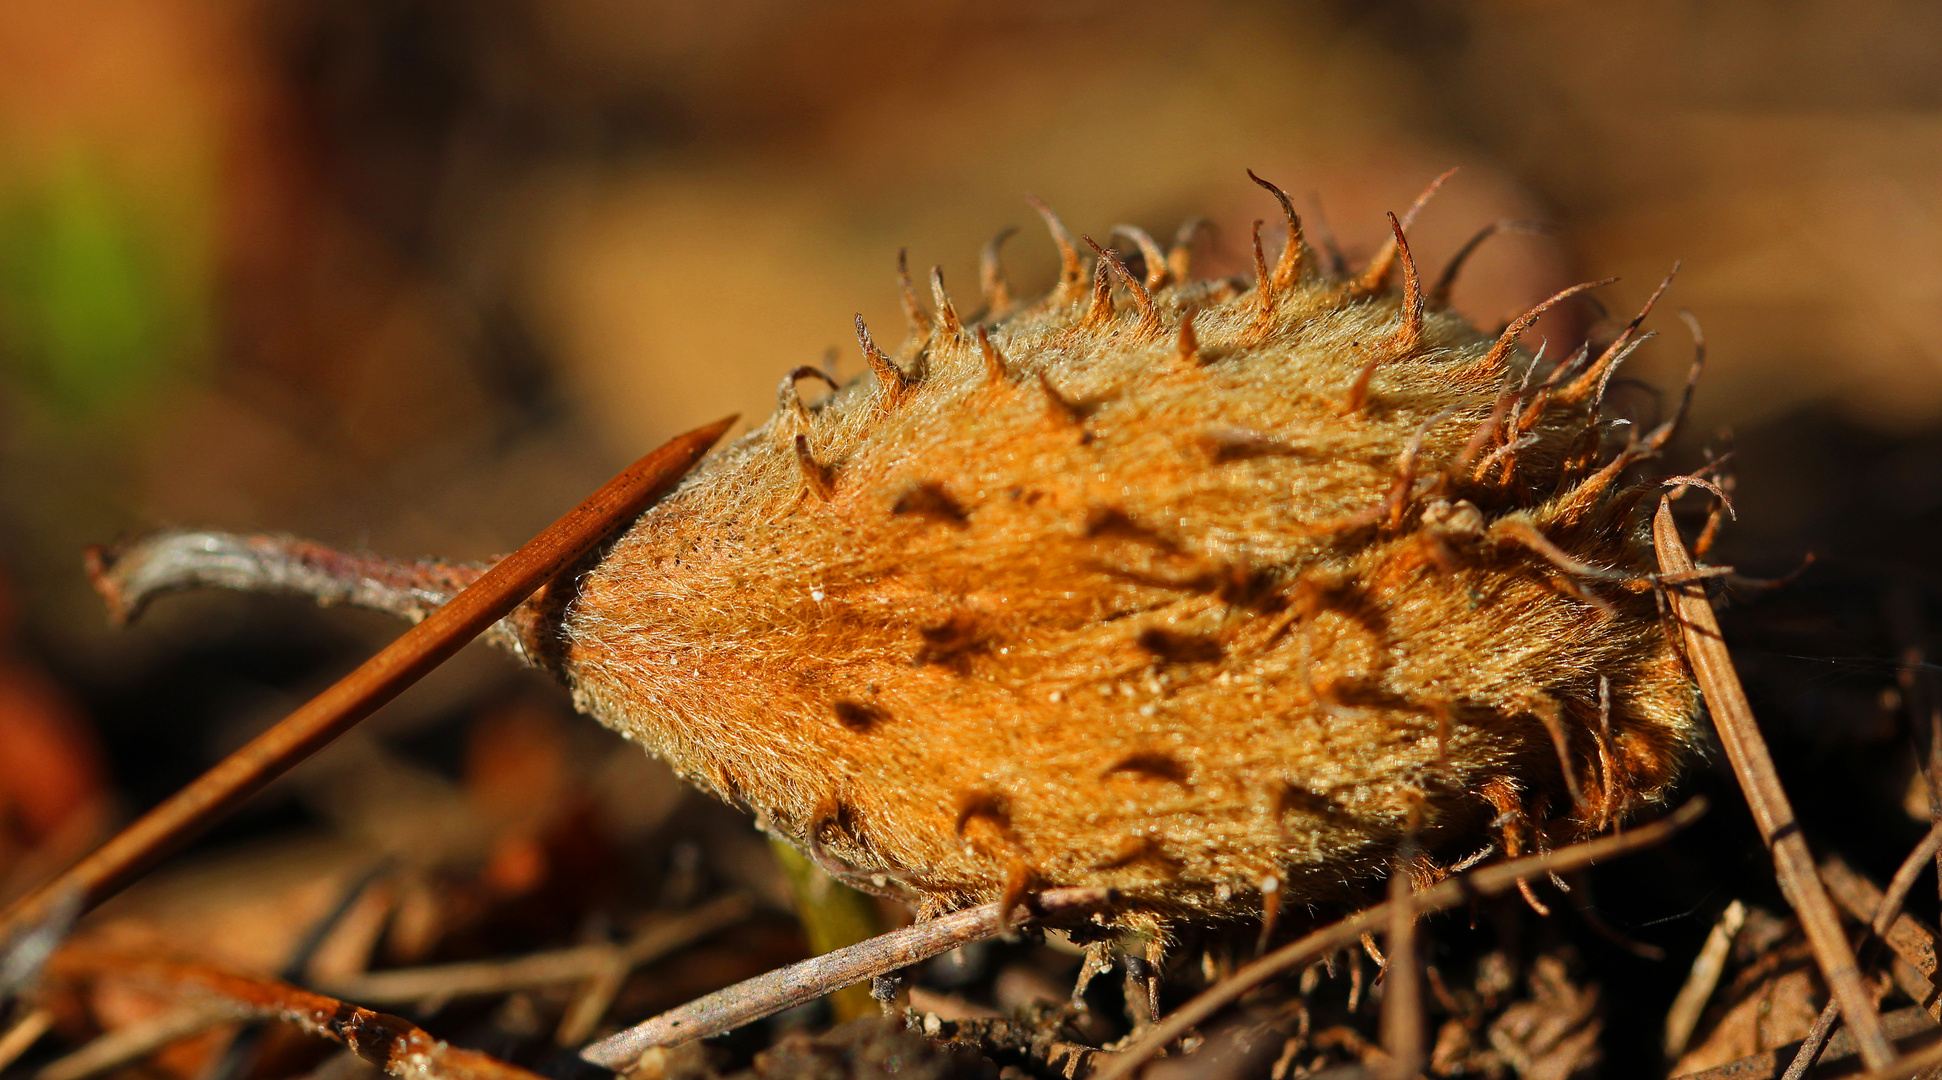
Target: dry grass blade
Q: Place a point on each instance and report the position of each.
(395, 1045)
(1447, 893)
(23, 1035)
(594, 998)
(408, 986)
(798, 984)
(376, 681)
(1683, 1017)
(1753, 766)
(135, 1041)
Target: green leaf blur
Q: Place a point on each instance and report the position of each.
(96, 303)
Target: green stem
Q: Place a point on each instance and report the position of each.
(833, 915)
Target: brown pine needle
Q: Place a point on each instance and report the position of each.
(383, 677)
(1753, 766)
(1449, 892)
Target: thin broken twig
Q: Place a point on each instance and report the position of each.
(1772, 813)
(798, 984)
(239, 1057)
(378, 680)
(1487, 881)
(1919, 700)
(1889, 908)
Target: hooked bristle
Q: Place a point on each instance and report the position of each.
(1152, 258)
(889, 378)
(1071, 273)
(947, 312)
(991, 275)
(1376, 277)
(1294, 252)
(1149, 315)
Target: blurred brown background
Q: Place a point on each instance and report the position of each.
(417, 274)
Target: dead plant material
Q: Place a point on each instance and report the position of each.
(406, 986)
(494, 594)
(1683, 1017)
(1886, 910)
(866, 1049)
(27, 944)
(1753, 766)
(1913, 943)
(1402, 996)
(24, 1033)
(1487, 881)
(133, 1042)
(1912, 1031)
(397, 1046)
(991, 630)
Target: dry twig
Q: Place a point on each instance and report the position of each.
(1753, 766)
(1402, 995)
(798, 984)
(378, 680)
(1487, 881)
(27, 944)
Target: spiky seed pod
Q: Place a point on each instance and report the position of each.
(1219, 594)
(1189, 590)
